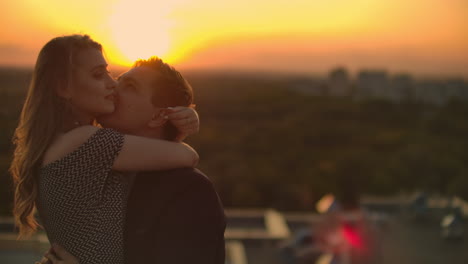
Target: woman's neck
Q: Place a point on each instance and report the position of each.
(76, 120)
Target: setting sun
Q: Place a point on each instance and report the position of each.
(140, 29)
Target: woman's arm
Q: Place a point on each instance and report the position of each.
(186, 120)
(136, 154)
(58, 255)
(175, 155)
(142, 154)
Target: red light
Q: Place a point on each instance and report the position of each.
(353, 237)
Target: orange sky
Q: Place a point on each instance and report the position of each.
(417, 36)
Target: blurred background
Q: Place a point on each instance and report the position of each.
(364, 100)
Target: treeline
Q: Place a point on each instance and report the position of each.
(266, 145)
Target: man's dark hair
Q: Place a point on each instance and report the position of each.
(169, 89)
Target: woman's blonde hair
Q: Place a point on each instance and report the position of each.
(42, 118)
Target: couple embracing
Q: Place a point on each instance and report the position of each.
(103, 163)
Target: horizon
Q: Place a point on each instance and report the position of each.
(117, 69)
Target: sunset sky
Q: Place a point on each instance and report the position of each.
(427, 37)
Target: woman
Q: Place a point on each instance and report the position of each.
(62, 163)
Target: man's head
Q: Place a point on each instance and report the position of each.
(142, 94)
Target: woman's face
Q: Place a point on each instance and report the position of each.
(91, 91)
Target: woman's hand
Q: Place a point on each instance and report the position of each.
(185, 119)
(58, 255)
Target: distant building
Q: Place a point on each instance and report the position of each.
(430, 91)
(456, 88)
(338, 82)
(401, 88)
(372, 84)
(440, 92)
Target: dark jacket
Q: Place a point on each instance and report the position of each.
(174, 217)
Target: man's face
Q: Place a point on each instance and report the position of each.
(133, 108)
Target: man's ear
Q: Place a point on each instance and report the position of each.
(158, 119)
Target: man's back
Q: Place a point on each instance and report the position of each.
(175, 217)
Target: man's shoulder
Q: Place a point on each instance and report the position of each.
(192, 173)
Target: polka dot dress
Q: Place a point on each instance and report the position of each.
(82, 203)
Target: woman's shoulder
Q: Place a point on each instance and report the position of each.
(69, 142)
(81, 133)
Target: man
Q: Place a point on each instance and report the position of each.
(173, 216)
